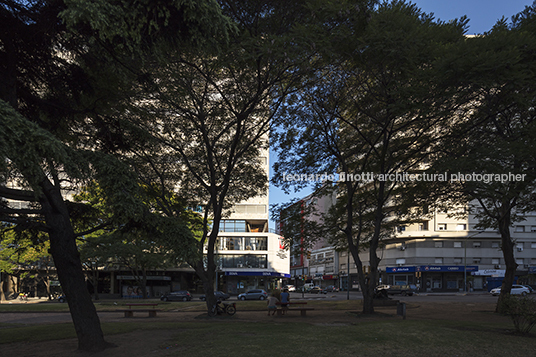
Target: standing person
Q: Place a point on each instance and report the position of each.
(285, 300)
(272, 301)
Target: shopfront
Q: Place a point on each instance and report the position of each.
(430, 278)
(238, 282)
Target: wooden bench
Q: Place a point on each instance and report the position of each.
(130, 311)
(302, 310)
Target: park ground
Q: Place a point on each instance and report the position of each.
(456, 328)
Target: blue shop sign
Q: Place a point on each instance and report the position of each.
(400, 269)
(432, 268)
(257, 273)
(447, 268)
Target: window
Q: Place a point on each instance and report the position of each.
(401, 261)
(519, 261)
(519, 246)
(423, 226)
(533, 245)
(477, 244)
(495, 261)
(242, 261)
(232, 225)
(400, 228)
(476, 260)
(495, 245)
(520, 229)
(533, 228)
(457, 244)
(343, 266)
(458, 260)
(242, 243)
(438, 261)
(441, 226)
(438, 244)
(461, 227)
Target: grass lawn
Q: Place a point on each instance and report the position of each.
(354, 335)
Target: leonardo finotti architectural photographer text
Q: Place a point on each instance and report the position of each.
(406, 177)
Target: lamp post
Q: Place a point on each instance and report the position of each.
(348, 276)
(465, 260)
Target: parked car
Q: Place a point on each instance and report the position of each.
(289, 288)
(181, 295)
(257, 294)
(330, 289)
(220, 295)
(398, 289)
(316, 290)
(529, 287)
(516, 290)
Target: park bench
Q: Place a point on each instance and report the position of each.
(130, 311)
(302, 310)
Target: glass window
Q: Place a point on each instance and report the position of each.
(438, 261)
(438, 244)
(256, 243)
(442, 227)
(476, 244)
(457, 244)
(520, 229)
(495, 261)
(495, 245)
(458, 260)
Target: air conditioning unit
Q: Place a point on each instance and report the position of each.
(497, 266)
(519, 249)
(402, 247)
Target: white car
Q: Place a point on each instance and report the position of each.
(290, 288)
(516, 290)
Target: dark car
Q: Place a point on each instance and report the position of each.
(330, 289)
(257, 294)
(220, 295)
(397, 289)
(181, 295)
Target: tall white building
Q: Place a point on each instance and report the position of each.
(248, 255)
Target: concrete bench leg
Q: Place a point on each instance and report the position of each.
(303, 312)
(129, 314)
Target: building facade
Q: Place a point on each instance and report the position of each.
(445, 254)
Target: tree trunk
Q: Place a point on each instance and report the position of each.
(69, 268)
(509, 259)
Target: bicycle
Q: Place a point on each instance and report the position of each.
(221, 308)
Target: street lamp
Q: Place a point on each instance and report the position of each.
(348, 276)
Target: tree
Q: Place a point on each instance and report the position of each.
(210, 113)
(493, 135)
(22, 256)
(371, 112)
(56, 129)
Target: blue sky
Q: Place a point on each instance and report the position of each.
(482, 14)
